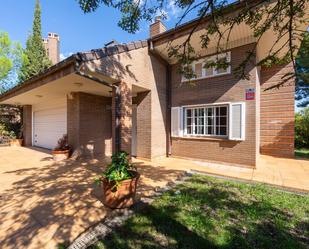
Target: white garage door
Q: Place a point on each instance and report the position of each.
(48, 126)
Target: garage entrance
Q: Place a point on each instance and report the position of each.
(49, 124)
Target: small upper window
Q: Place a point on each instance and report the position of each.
(205, 67)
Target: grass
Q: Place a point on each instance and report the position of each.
(302, 153)
(206, 212)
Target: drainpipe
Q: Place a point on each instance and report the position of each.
(168, 110)
(117, 118)
(168, 97)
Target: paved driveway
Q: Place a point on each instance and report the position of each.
(43, 204)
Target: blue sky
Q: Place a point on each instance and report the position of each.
(78, 31)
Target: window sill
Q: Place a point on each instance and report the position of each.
(203, 138)
(205, 77)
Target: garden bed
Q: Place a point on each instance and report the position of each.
(302, 153)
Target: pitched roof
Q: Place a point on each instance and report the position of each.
(96, 54)
(79, 57)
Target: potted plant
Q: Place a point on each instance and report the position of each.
(119, 182)
(15, 141)
(62, 150)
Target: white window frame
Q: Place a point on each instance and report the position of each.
(215, 71)
(243, 121)
(213, 106)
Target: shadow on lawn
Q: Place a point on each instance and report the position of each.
(220, 217)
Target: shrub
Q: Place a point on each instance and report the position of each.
(119, 170)
(302, 129)
(63, 143)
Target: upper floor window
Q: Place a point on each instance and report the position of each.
(208, 67)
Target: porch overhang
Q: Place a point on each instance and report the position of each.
(59, 88)
(241, 34)
(59, 80)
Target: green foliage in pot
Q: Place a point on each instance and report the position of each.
(119, 170)
(63, 144)
(12, 135)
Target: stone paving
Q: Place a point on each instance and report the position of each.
(292, 174)
(43, 204)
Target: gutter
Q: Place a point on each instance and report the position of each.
(168, 96)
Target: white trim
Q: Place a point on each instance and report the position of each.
(32, 126)
(243, 121)
(258, 108)
(205, 105)
(181, 122)
(177, 131)
(226, 104)
(215, 72)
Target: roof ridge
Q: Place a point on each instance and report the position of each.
(99, 53)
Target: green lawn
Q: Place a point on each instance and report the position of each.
(206, 212)
(302, 153)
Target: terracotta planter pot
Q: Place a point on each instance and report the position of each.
(124, 196)
(60, 155)
(16, 142)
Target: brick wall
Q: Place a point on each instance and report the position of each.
(27, 125)
(143, 102)
(89, 124)
(277, 112)
(142, 70)
(228, 88)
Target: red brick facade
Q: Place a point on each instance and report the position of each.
(89, 124)
(143, 103)
(27, 125)
(277, 112)
(269, 116)
(227, 88)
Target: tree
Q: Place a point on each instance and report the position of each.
(283, 17)
(35, 60)
(302, 129)
(10, 61)
(302, 66)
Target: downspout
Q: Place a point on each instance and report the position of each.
(168, 97)
(117, 118)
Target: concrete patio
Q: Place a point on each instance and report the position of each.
(290, 174)
(44, 204)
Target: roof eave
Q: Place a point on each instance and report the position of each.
(235, 6)
(72, 60)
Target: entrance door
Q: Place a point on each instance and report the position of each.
(134, 131)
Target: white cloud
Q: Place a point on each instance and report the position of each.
(170, 11)
(173, 8)
(63, 56)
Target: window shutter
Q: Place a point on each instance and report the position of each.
(237, 121)
(177, 122)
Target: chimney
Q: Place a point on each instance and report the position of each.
(157, 27)
(52, 47)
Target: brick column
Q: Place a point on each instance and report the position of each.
(122, 117)
(27, 125)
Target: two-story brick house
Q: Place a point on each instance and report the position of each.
(132, 97)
